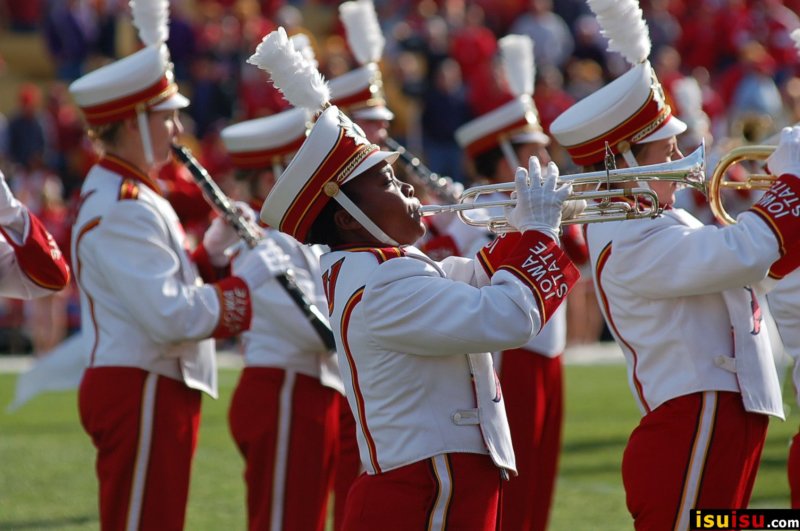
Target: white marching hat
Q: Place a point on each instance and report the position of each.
(261, 142)
(116, 91)
(359, 93)
(334, 153)
(515, 121)
(629, 110)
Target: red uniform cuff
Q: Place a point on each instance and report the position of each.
(539, 263)
(208, 271)
(40, 258)
(779, 207)
(235, 307)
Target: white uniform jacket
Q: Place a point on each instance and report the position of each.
(404, 329)
(784, 304)
(667, 286)
(280, 335)
(141, 297)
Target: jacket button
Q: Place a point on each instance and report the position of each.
(457, 417)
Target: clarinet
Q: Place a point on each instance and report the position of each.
(442, 186)
(250, 235)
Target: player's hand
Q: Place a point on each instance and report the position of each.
(539, 199)
(255, 266)
(786, 157)
(221, 236)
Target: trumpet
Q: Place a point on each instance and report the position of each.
(755, 181)
(604, 204)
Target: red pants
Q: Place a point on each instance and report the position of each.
(699, 451)
(457, 492)
(144, 427)
(534, 395)
(348, 462)
(286, 427)
(793, 469)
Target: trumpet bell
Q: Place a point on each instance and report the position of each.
(717, 182)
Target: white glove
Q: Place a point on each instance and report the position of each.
(255, 266)
(572, 209)
(538, 203)
(786, 158)
(220, 236)
(12, 213)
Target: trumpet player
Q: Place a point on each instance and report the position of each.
(152, 318)
(676, 296)
(285, 411)
(531, 375)
(431, 425)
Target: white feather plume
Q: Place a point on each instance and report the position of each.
(364, 34)
(302, 44)
(300, 82)
(151, 18)
(796, 38)
(623, 25)
(518, 63)
(688, 96)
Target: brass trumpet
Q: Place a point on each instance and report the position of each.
(689, 171)
(755, 181)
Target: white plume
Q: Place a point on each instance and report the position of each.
(300, 82)
(364, 35)
(688, 96)
(518, 63)
(302, 44)
(623, 25)
(151, 18)
(796, 38)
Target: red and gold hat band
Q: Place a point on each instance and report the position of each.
(125, 107)
(264, 157)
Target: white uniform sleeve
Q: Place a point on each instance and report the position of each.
(673, 260)
(412, 309)
(143, 269)
(465, 270)
(14, 283)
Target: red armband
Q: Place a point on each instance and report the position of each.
(208, 271)
(787, 263)
(235, 307)
(40, 258)
(496, 251)
(779, 207)
(541, 265)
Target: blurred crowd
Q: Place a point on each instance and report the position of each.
(729, 68)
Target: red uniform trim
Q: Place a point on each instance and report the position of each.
(124, 107)
(496, 251)
(602, 260)
(359, 98)
(329, 279)
(236, 310)
(263, 157)
(128, 171)
(208, 271)
(91, 224)
(359, 397)
(39, 257)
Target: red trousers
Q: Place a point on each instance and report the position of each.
(793, 470)
(457, 492)
(286, 427)
(348, 462)
(534, 395)
(144, 427)
(699, 451)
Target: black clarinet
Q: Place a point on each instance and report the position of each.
(442, 186)
(250, 235)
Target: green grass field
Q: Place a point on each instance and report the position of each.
(47, 462)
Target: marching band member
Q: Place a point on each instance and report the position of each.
(31, 264)
(675, 295)
(284, 414)
(432, 430)
(141, 297)
(532, 375)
